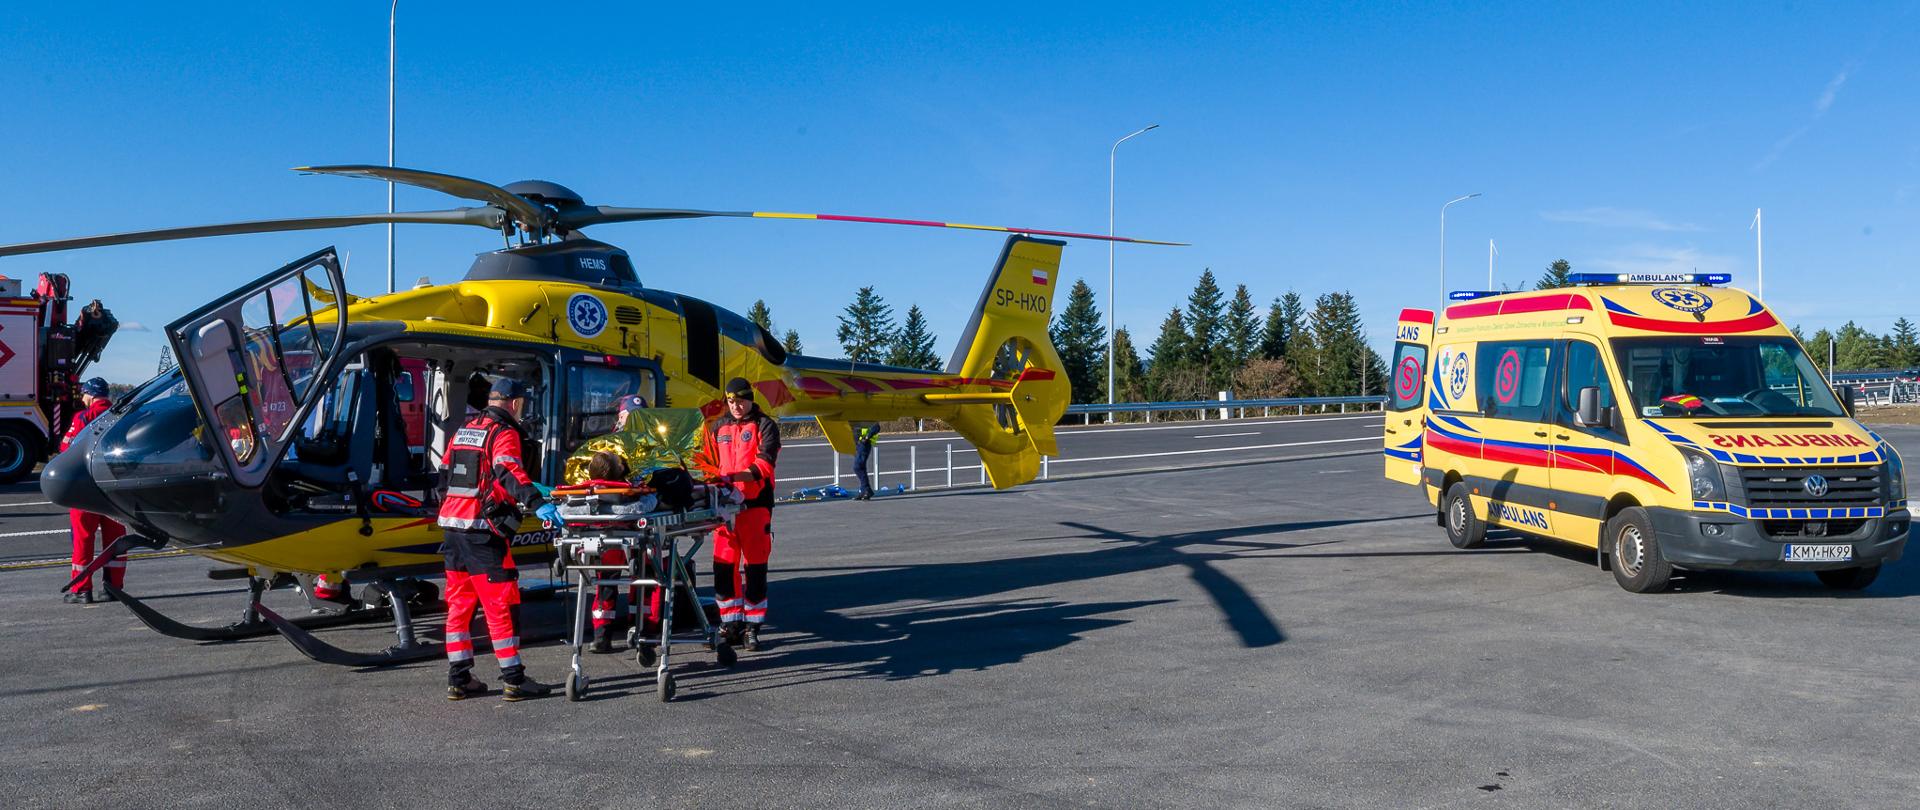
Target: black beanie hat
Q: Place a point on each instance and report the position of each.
(739, 388)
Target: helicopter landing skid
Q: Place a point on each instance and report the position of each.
(407, 648)
(249, 626)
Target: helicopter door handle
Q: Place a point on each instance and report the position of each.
(1563, 436)
(1541, 433)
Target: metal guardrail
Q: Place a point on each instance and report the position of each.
(1202, 405)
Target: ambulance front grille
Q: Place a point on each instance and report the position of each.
(1787, 486)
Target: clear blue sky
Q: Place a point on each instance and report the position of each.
(1306, 147)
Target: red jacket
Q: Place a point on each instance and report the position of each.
(747, 445)
(486, 481)
(80, 420)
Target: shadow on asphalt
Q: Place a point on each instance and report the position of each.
(978, 635)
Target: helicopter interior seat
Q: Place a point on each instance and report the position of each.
(329, 456)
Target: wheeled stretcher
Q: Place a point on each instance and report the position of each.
(657, 562)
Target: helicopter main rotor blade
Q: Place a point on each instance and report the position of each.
(480, 215)
(523, 211)
(581, 217)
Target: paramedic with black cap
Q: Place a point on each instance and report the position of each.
(745, 443)
(487, 486)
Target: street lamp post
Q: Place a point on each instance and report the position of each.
(393, 13)
(1111, 154)
(1443, 244)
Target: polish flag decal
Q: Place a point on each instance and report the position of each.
(1039, 277)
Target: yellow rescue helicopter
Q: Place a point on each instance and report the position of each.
(281, 444)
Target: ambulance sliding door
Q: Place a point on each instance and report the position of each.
(1406, 399)
(1513, 384)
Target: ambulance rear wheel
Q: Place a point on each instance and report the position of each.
(1464, 530)
(1638, 564)
(1849, 579)
(19, 449)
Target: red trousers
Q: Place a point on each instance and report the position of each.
(740, 554)
(606, 597)
(496, 596)
(85, 526)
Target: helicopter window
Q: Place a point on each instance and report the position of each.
(593, 398)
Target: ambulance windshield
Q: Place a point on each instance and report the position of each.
(1722, 376)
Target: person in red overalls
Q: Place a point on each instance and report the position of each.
(744, 442)
(486, 488)
(93, 403)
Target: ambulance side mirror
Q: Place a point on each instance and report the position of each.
(1847, 396)
(1590, 414)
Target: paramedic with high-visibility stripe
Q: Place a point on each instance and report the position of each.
(486, 487)
(745, 443)
(93, 403)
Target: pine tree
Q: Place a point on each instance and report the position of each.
(1857, 349)
(1205, 324)
(866, 330)
(760, 315)
(1243, 330)
(1343, 358)
(1904, 345)
(1170, 349)
(1285, 320)
(1817, 347)
(1556, 276)
(1130, 375)
(1082, 344)
(791, 342)
(913, 345)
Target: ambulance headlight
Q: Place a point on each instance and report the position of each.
(1896, 476)
(1704, 475)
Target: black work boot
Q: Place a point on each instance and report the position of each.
(471, 687)
(525, 688)
(602, 644)
(753, 637)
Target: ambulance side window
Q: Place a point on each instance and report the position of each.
(1584, 369)
(1409, 374)
(1513, 379)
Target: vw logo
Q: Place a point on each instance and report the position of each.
(1816, 485)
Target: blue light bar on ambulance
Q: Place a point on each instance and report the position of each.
(1650, 278)
(1469, 295)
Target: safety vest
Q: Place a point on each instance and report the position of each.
(752, 443)
(476, 458)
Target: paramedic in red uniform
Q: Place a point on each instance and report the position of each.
(486, 487)
(744, 442)
(93, 402)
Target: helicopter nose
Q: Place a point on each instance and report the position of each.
(66, 482)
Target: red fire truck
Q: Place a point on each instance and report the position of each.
(42, 357)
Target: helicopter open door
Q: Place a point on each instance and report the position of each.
(251, 358)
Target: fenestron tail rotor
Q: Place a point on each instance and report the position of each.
(538, 210)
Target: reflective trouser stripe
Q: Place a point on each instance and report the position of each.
(463, 523)
(507, 661)
(757, 611)
(730, 609)
(456, 656)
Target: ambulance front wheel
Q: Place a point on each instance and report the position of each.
(1464, 530)
(1849, 579)
(1638, 564)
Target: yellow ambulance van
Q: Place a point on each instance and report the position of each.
(1663, 420)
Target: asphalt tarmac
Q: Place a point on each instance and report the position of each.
(1281, 628)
